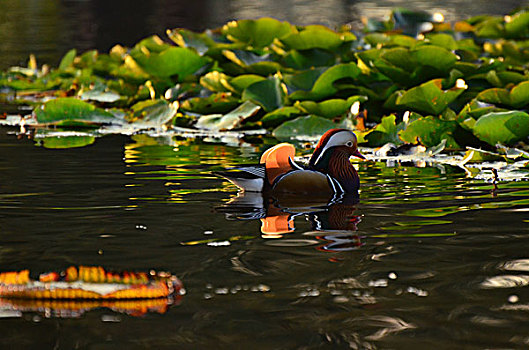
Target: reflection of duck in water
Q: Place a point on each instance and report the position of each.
(329, 220)
(329, 172)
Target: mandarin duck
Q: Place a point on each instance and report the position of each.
(329, 171)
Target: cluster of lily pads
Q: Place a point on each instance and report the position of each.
(410, 79)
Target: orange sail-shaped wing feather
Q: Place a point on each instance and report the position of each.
(277, 160)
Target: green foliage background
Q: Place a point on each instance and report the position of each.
(410, 79)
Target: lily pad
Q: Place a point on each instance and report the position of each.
(201, 42)
(430, 131)
(324, 86)
(229, 121)
(153, 113)
(316, 37)
(72, 111)
(429, 97)
(63, 142)
(301, 128)
(502, 127)
(256, 33)
(221, 102)
(517, 97)
(386, 131)
(331, 108)
(68, 59)
(173, 61)
(279, 116)
(241, 82)
(267, 93)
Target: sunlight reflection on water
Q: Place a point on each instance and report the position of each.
(419, 249)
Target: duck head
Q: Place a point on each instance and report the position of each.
(331, 156)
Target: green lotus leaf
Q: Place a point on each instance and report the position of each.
(100, 96)
(430, 131)
(403, 40)
(63, 142)
(324, 86)
(279, 116)
(153, 113)
(375, 39)
(267, 93)
(316, 37)
(241, 82)
(249, 62)
(221, 102)
(303, 128)
(71, 111)
(201, 42)
(502, 127)
(245, 58)
(229, 121)
(400, 57)
(443, 40)
(329, 108)
(518, 25)
(307, 59)
(434, 56)
(386, 131)
(517, 97)
(429, 97)
(256, 33)
(173, 61)
(303, 80)
(216, 81)
(68, 59)
(490, 28)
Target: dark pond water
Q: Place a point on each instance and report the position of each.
(50, 28)
(427, 258)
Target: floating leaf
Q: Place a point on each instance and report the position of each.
(268, 93)
(68, 59)
(173, 61)
(279, 116)
(241, 82)
(502, 127)
(62, 142)
(386, 131)
(316, 37)
(307, 59)
(429, 97)
(430, 131)
(303, 128)
(72, 111)
(215, 81)
(434, 56)
(331, 108)
(153, 113)
(517, 97)
(221, 102)
(324, 85)
(256, 33)
(201, 42)
(518, 25)
(232, 120)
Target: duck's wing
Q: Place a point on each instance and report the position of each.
(278, 161)
(249, 178)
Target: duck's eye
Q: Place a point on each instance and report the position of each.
(349, 143)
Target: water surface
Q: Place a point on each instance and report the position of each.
(427, 257)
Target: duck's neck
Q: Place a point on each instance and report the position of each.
(337, 165)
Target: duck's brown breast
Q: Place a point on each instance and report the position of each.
(303, 182)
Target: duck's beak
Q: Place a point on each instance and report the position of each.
(358, 154)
